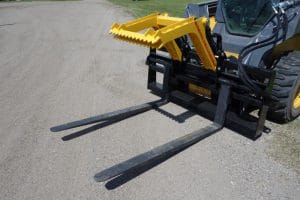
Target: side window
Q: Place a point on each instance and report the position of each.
(246, 17)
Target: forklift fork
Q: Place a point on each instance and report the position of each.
(164, 150)
(119, 114)
(176, 145)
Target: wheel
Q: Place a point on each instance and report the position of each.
(286, 90)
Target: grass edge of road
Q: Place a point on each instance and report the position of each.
(17, 1)
(144, 7)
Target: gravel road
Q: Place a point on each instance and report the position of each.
(58, 63)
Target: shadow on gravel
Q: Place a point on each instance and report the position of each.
(178, 118)
(7, 24)
(90, 129)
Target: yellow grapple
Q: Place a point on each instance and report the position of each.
(159, 30)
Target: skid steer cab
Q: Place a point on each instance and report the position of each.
(224, 60)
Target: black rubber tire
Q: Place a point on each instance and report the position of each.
(286, 85)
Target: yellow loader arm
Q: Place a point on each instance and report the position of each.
(160, 30)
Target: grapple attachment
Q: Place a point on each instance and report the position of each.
(160, 30)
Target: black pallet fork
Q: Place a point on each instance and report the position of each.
(173, 146)
(160, 151)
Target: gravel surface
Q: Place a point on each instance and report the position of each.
(58, 63)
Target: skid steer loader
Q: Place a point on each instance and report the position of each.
(224, 60)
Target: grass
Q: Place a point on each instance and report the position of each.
(12, 1)
(145, 7)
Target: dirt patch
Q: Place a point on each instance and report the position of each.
(284, 146)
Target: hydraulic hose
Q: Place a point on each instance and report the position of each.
(281, 24)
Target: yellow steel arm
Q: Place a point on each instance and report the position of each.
(160, 30)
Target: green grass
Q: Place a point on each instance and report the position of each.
(12, 1)
(145, 7)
